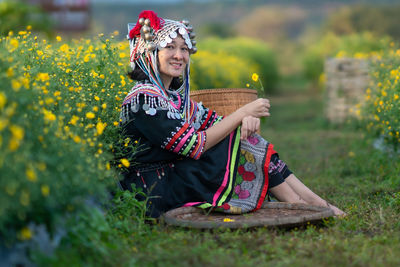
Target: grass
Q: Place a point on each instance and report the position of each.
(337, 162)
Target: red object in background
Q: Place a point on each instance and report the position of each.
(69, 15)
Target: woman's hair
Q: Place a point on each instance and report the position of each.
(138, 75)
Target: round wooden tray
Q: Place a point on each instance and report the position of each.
(271, 214)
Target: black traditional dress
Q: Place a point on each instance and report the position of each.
(172, 167)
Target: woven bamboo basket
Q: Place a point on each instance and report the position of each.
(224, 100)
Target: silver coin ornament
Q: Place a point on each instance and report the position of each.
(151, 111)
(148, 37)
(147, 22)
(182, 31)
(169, 114)
(194, 42)
(145, 107)
(141, 21)
(163, 43)
(192, 35)
(151, 46)
(185, 22)
(196, 125)
(177, 116)
(189, 28)
(194, 50)
(135, 108)
(173, 35)
(146, 29)
(168, 39)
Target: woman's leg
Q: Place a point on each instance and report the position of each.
(309, 196)
(283, 192)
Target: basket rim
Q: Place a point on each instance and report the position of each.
(223, 90)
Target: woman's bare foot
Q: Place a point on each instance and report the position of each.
(336, 211)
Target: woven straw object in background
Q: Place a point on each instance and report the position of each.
(224, 100)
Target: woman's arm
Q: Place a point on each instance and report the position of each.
(258, 108)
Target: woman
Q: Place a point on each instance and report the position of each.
(192, 156)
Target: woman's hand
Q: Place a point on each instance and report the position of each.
(250, 125)
(258, 108)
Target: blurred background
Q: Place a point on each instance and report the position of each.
(284, 42)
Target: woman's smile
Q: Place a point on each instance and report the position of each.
(173, 60)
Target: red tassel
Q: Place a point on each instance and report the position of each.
(155, 22)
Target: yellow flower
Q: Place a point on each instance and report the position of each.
(58, 38)
(17, 135)
(3, 100)
(30, 174)
(100, 127)
(14, 43)
(125, 162)
(25, 234)
(73, 120)
(351, 154)
(122, 55)
(16, 85)
(104, 106)
(396, 96)
(86, 58)
(40, 53)
(48, 115)
(10, 72)
(49, 100)
(64, 48)
(77, 139)
(254, 77)
(115, 123)
(90, 115)
(229, 220)
(43, 77)
(96, 98)
(45, 190)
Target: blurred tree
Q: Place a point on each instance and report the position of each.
(217, 30)
(379, 20)
(271, 23)
(16, 15)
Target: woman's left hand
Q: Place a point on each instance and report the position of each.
(250, 125)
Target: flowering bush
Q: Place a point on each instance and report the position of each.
(254, 55)
(59, 107)
(381, 110)
(219, 70)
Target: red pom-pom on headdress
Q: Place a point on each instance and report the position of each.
(155, 22)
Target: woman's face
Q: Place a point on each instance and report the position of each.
(173, 58)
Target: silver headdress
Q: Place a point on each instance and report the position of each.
(151, 34)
